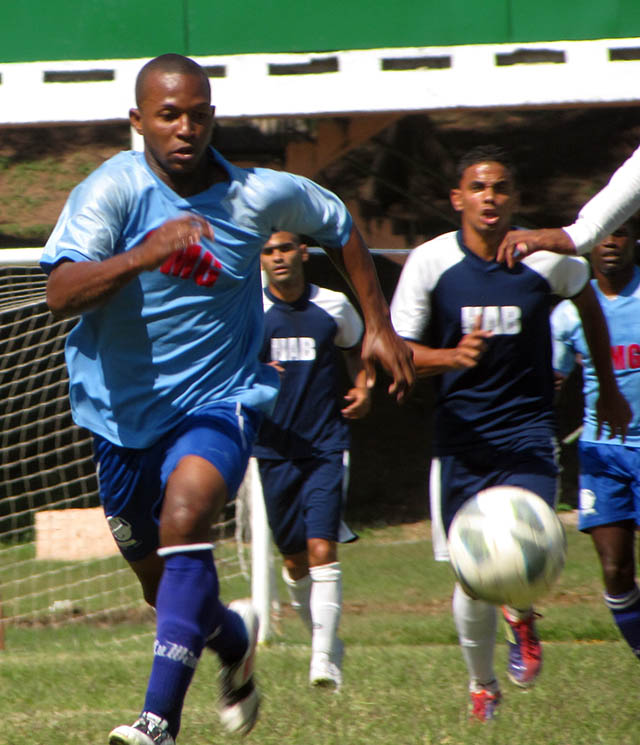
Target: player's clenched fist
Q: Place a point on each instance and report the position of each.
(173, 235)
(470, 349)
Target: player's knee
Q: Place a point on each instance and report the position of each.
(322, 552)
(618, 575)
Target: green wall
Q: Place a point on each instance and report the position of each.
(96, 29)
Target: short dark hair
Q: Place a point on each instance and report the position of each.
(485, 154)
(176, 63)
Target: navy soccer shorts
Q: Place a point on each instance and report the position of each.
(609, 484)
(303, 499)
(132, 481)
(456, 478)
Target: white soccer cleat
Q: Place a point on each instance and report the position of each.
(325, 670)
(148, 729)
(239, 700)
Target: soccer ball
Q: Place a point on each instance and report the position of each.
(507, 546)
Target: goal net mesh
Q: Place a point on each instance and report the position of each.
(61, 575)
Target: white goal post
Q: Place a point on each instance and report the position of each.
(58, 562)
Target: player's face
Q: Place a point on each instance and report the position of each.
(486, 197)
(282, 258)
(175, 117)
(615, 254)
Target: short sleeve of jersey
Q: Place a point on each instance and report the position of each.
(566, 275)
(349, 324)
(299, 205)
(565, 323)
(91, 222)
(411, 304)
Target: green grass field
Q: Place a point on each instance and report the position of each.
(405, 682)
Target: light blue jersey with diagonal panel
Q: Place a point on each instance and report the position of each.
(187, 334)
(622, 314)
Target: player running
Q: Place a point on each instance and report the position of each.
(483, 330)
(610, 468)
(302, 444)
(159, 252)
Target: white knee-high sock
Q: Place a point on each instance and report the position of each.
(300, 595)
(326, 606)
(476, 624)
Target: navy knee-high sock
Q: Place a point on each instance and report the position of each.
(626, 613)
(187, 606)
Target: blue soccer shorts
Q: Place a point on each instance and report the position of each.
(132, 481)
(456, 478)
(609, 484)
(303, 499)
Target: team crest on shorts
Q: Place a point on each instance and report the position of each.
(121, 531)
(587, 502)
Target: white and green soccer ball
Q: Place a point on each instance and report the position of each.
(507, 546)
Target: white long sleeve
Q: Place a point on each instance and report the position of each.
(609, 208)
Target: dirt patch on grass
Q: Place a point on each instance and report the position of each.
(39, 167)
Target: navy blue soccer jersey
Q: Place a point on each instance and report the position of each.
(507, 399)
(306, 338)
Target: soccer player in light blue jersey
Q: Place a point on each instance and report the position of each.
(609, 496)
(158, 252)
(302, 445)
(483, 330)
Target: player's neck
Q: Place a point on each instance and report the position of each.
(612, 286)
(483, 245)
(289, 292)
(207, 173)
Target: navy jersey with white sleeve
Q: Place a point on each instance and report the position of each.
(306, 338)
(507, 398)
(187, 334)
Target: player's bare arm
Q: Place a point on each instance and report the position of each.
(358, 397)
(78, 286)
(612, 408)
(380, 341)
(520, 243)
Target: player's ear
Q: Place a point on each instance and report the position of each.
(455, 195)
(304, 253)
(135, 119)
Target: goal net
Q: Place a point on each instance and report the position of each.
(61, 576)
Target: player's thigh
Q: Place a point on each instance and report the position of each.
(205, 462)
(536, 470)
(456, 478)
(322, 496)
(131, 495)
(609, 487)
(282, 482)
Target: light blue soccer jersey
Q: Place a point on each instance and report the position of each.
(187, 334)
(623, 319)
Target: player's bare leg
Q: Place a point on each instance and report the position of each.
(615, 546)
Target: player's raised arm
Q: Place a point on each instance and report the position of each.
(380, 342)
(599, 217)
(612, 408)
(520, 243)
